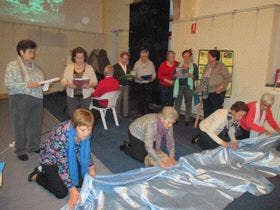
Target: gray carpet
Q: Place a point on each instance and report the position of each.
(17, 193)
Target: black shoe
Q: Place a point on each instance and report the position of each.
(122, 147)
(37, 151)
(34, 172)
(23, 157)
(195, 139)
(187, 123)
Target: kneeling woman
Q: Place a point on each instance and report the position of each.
(65, 157)
(145, 135)
(220, 127)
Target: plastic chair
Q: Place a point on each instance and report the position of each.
(112, 98)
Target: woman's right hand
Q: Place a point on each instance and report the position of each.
(32, 84)
(74, 197)
(70, 85)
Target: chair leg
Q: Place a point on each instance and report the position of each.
(115, 116)
(103, 113)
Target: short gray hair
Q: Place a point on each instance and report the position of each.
(108, 70)
(268, 98)
(169, 113)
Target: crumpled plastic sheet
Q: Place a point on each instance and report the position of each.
(207, 180)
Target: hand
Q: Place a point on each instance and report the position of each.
(225, 144)
(219, 89)
(91, 171)
(32, 84)
(70, 85)
(164, 164)
(267, 133)
(185, 66)
(189, 75)
(74, 197)
(234, 145)
(169, 81)
(172, 160)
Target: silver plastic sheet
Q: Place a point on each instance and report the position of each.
(206, 180)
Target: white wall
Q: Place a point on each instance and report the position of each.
(249, 34)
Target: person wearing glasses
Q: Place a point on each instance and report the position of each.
(259, 112)
(145, 138)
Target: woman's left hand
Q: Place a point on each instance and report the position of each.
(91, 171)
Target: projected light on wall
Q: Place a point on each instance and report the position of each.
(35, 11)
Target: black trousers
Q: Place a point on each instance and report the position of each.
(136, 150)
(212, 103)
(144, 96)
(206, 142)
(50, 180)
(243, 134)
(166, 96)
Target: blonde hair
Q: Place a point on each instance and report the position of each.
(82, 117)
(169, 113)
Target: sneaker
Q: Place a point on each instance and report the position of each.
(33, 175)
(23, 157)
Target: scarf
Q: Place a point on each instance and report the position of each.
(230, 123)
(24, 73)
(161, 132)
(72, 156)
(176, 83)
(259, 119)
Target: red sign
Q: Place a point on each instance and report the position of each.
(193, 28)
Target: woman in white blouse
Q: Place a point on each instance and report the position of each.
(220, 127)
(78, 96)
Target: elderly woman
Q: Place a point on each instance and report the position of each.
(145, 135)
(145, 74)
(213, 83)
(22, 79)
(259, 112)
(65, 157)
(78, 96)
(166, 72)
(220, 127)
(184, 84)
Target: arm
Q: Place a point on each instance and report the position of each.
(270, 119)
(218, 123)
(64, 81)
(92, 77)
(250, 119)
(99, 90)
(13, 79)
(226, 77)
(149, 144)
(172, 149)
(195, 72)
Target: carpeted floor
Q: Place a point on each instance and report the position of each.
(17, 193)
(106, 148)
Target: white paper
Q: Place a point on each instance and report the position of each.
(46, 86)
(49, 80)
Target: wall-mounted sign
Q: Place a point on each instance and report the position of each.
(193, 28)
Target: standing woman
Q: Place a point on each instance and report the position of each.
(121, 69)
(213, 83)
(166, 74)
(22, 79)
(78, 97)
(184, 85)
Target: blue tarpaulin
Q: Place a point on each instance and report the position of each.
(207, 180)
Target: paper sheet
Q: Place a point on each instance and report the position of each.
(46, 83)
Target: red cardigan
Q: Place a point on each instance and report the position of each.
(166, 72)
(247, 122)
(108, 84)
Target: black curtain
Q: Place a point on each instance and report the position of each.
(149, 29)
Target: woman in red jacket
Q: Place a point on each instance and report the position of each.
(259, 112)
(166, 73)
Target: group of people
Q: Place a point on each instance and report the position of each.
(65, 156)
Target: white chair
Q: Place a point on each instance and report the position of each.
(112, 98)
